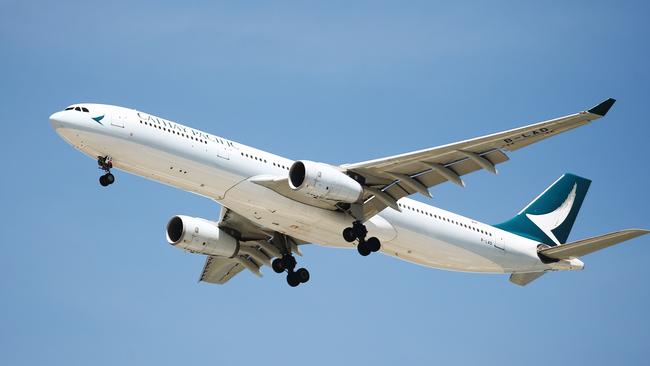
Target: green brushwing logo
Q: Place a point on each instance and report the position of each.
(98, 119)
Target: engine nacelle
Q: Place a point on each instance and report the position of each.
(322, 181)
(200, 236)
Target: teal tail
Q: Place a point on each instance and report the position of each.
(550, 217)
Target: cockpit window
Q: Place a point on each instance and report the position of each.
(77, 108)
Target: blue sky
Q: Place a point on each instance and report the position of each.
(87, 277)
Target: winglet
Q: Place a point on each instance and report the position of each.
(602, 108)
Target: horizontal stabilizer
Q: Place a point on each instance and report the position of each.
(586, 246)
(522, 279)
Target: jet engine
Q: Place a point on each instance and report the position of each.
(200, 236)
(322, 181)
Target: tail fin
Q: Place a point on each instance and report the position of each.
(550, 217)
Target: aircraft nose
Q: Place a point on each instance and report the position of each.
(57, 119)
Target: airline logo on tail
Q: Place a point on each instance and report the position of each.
(550, 221)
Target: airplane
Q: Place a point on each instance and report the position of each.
(271, 205)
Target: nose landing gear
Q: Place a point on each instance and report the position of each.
(358, 232)
(105, 163)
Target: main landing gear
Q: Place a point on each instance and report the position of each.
(288, 263)
(358, 231)
(105, 163)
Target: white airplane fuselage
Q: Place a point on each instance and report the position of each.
(221, 169)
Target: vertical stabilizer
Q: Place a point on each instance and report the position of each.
(550, 217)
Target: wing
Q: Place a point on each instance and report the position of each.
(391, 178)
(219, 270)
(240, 227)
(257, 246)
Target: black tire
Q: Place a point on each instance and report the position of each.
(277, 265)
(102, 181)
(363, 249)
(303, 275)
(289, 262)
(374, 244)
(110, 178)
(292, 279)
(359, 231)
(348, 234)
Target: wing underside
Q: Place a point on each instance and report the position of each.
(257, 248)
(219, 270)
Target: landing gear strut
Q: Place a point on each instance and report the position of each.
(105, 163)
(358, 232)
(288, 263)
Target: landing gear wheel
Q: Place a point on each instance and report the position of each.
(110, 178)
(359, 230)
(289, 262)
(349, 235)
(373, 244)
(363, 248)
(103, 181)
(292, 279)
(277, 265)
(303, 275)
